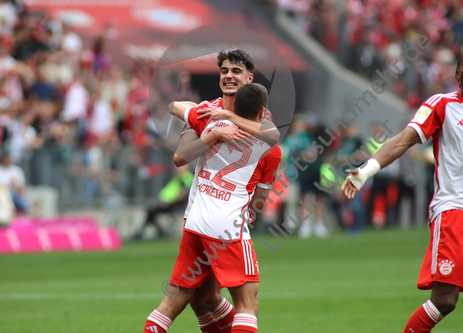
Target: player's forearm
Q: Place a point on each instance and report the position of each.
(178, 108)
(392, 150)
(265, 131)
(192, 150)
(258, 199)
(388, 153)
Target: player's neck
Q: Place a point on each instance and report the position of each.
(228, 103)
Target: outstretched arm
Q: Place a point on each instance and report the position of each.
(178, 108)
(388, 153)
(396, 146)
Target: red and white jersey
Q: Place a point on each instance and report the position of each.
(227, 178)
(199, 125)
(192, 124)
(441, 117)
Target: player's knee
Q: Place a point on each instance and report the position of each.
(446, 304)
(209, 298)
(248, 305)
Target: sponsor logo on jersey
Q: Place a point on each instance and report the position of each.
(213, 192)
(446, 267)
(461, 122)
(422, 114)
(221, 124)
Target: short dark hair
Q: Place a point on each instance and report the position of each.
(236, 56)
(250, 99)
(457, 71)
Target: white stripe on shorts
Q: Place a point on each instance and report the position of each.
(245, 258)
(248, 260)
(435, 243)
(251, 261)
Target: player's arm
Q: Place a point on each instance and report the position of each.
(178, 108)
(262, 194)
(191, 146)
(265, 130)
(388, 153)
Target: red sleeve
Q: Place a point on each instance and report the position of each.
(269, 165)
(268, 116)
(429, 117)
(191, 118)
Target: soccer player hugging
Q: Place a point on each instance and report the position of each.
(232, 179)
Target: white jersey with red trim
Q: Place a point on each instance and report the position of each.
(441, 117)
(227, 178)
(194, 125)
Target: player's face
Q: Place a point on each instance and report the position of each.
(232, 77)
(460, 74)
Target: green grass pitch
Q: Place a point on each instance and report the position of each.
(341, 284)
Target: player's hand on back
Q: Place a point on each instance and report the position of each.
(214, 114)
(233, 135)
(347, 187)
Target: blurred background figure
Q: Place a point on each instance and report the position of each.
(12, 178)
(353, 210)
(379, 207)
(172, 197)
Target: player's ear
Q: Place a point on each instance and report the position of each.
(251, 77)
(261, 114)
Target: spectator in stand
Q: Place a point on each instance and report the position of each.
(75, 101)
(12, 177)
(374, 34)
(8, 16)
(30, 43)
(71, 42)
(22, 136)
(44, 90)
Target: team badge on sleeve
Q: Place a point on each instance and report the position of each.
(422, 114)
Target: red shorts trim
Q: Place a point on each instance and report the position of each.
(232, 264)
(443, 261)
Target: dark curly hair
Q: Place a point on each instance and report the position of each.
(457, 71)
(236, 56)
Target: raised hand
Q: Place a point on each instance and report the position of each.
(214, 114)
(234, 136)
(347, 187)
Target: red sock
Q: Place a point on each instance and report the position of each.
(157, 323)
(424, 319)
(244, 323)
(207, 324)
(223, 315)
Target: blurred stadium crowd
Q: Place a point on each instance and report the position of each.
(73, 120)
(366, 35)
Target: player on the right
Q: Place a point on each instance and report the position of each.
(441, 117)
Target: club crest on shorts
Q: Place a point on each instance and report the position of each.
(446, 267)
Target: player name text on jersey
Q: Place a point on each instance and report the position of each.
(214, 193)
